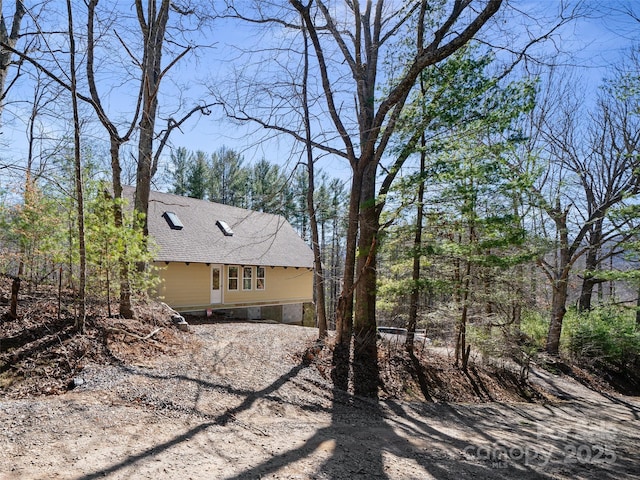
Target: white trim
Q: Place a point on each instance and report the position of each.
(250, 278)
(263, 278)
(216, 296)
(237, 278)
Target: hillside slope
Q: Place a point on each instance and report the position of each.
(238, 400)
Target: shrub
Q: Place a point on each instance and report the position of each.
(608, 334)
(535, 326)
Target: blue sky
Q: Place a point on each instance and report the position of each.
(593, 44)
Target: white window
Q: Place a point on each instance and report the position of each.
(247, 278)
(215, 279)
(260, 274)
(232, 275)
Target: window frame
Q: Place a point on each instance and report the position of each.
(246, 278)
(231, 277)
(261, 278)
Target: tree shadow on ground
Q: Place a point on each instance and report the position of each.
(364, 436)
(367, 438)
(220, 420)
(418, 374)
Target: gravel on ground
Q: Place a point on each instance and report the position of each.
(241, 403)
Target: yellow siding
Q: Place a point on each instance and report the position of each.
(189, 286)
(281, 285)
(183, 285)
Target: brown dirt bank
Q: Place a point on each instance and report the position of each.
(241, 403)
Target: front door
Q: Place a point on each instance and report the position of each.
(216, 284)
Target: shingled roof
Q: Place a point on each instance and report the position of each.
(258, 238)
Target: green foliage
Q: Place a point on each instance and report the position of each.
(299, 217)
(270, 190)
(395, 282)
(178, 173)
(503, 344)
(473, 202)
(221, 177)
(35, 232)
(41, 238)
(224, 178)
(464, 94)
(487, 340)
(229, 178)
(607, 334)
(535, 325)
(198, 175)
(108, 245)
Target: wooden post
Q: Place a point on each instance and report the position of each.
(59, 292)
(15, 287)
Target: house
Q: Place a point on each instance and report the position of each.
(219, 258)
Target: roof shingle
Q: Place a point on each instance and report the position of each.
(258, 238)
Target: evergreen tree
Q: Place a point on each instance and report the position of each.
(229, 178)
(180, 161)
(269, 189)
(198, 176)
(460, 123)
(299, 214)
(109, 245)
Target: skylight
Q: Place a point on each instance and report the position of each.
(226, 229)
(173, 220)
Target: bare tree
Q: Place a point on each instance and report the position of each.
(80, 320)
(417, 250)
(608, 175)
(320, 301)
(589, 171)
(143, 115)
(357, 37)
(116, 141)
(153, 18)
(10, 38)
(152, 21)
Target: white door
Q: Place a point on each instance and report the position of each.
(216, 284)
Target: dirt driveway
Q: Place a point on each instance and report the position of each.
(241, 405)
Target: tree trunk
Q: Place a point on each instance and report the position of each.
(560, 283)
(115, 142)
(462, 351)
(558, 310)
(321, 313)
(517, 299)
(143, 173)
(125, 306)
(334, 285)
(153, 26)
(9, 38)
(366, 374)
(377, 117)
(365, 289)
(80, 320)
(15, 288)
(586, 293)
(417, 254)
(591, 265)
(344, 307)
